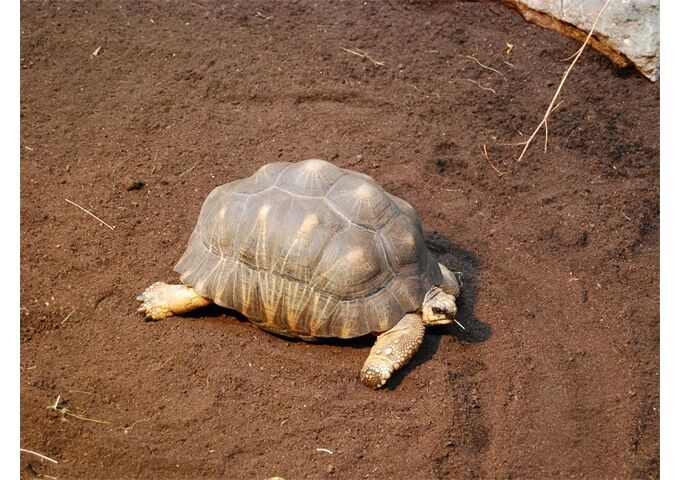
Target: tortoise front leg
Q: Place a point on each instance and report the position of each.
(161, 300)
(392, 350)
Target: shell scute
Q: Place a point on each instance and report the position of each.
(309, 177)
(352, 263)
(361, 201)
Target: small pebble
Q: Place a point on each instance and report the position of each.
(130, 183)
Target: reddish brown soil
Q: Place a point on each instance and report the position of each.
(557, 376)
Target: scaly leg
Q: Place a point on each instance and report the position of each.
(392, 350)
(161, 300)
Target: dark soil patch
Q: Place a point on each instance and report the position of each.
(558, 375)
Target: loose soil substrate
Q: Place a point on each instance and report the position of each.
(558, 373)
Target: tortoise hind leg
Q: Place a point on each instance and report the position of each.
(161, 300)
(393, 350)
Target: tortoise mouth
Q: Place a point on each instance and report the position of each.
(440, 321)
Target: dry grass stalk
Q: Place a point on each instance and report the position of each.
(552, 106)
(44, 457)
(90, 213)
(67, 317)
(64, 409)
(188, 171)
(486, 66)
(486, 155)
(481, 86)
(363, 54)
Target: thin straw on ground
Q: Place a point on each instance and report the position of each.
(486, 155)
(188, 171)
(361, 53)
(91, 214)
(63, 409)
(485, 66)
(544, 121)
(482, 86)
(44, 457)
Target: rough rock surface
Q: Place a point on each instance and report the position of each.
(627, 32)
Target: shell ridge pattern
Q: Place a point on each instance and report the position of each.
(213, 277)
(294, 307)
(204, 228)
(237, 242)
(246, 292)
(218, 227)
(258, 234)
(203, 262)
(273, 293)
(222, 275)
(383, 250)
(313, 176)
(332, 184)
(333, 207)
(330, 240)
(319, 316)
(294, 244)
(271, 290)
(211, 214)
(357, 296)
(366, 203)
(275, 183)
(351, 266)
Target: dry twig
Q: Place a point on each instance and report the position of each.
(363, 54)
(423, 91)
(486, 66)
(64, 409)
(486, 155)
(188, 171)
(113, 174)
(481, 86)
(551, 107)
(90, 213)
(44, 457)
(67, 317)
(126, 429)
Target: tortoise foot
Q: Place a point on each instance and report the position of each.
(154, 305)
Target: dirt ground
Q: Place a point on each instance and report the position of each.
(557, 375)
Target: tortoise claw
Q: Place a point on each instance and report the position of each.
(161, 300)
(153, 305)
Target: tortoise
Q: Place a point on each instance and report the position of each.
(312, 251)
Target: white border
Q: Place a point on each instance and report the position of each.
(9, 166)
(669, 398)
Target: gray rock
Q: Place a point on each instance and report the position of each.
(627, 31)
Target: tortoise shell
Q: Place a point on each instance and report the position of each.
(310, 250)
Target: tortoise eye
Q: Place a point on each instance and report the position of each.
(437, 310)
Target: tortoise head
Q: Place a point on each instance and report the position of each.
(439, 306)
